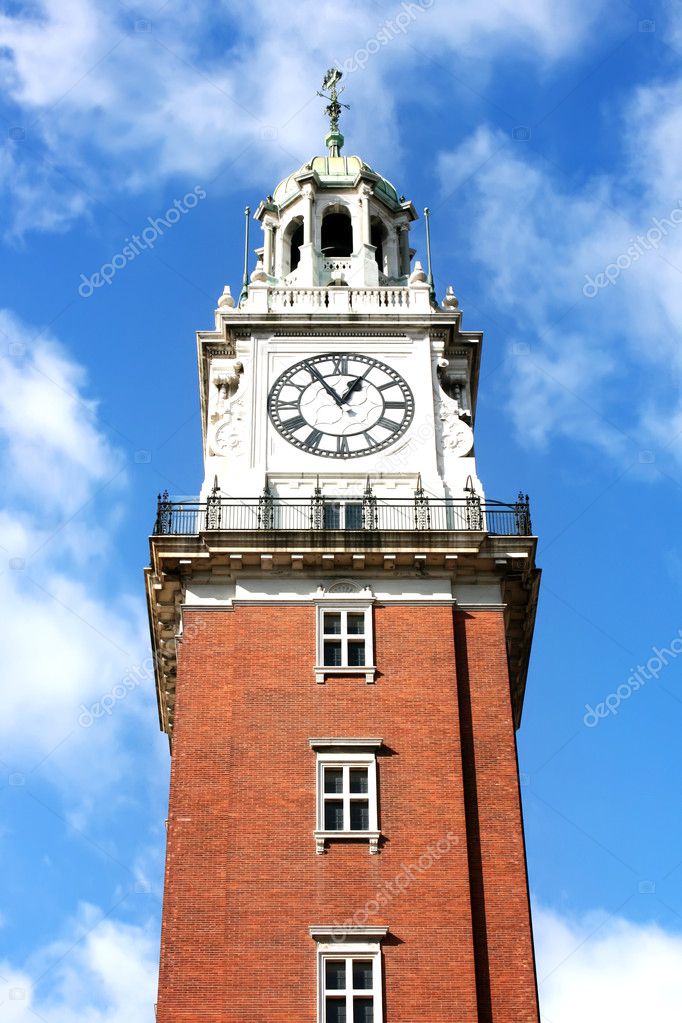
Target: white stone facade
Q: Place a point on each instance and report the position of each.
(339, 303)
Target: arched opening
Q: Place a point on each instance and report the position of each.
(295, 246)
(378, 235)
(337, 233)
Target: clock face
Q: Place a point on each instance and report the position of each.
(341, 405)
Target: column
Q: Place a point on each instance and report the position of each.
(365, 193)
(308, 216)
(268, 225)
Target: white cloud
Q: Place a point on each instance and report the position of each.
(596, 968)
(69, 636)
(52, 439)
(590, 968)
(115, 101)
(541, 241)
(101, 971)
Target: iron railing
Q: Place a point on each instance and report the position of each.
(367, 512)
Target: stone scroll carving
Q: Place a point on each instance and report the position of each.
(456, 435)
(226, 411)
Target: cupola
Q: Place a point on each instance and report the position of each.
(336, 221)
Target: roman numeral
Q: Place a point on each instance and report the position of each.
(342, 446)
(388, 424)
(369, 438)
(340, 364)
(385, 387)
(394, 404)
(294, 424)
(314, 438)
(293, 405)
(299, 387)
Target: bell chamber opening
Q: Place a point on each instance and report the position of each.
(337, 233)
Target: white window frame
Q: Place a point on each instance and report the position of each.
(346, 754)
(350, 943)
(343, 607)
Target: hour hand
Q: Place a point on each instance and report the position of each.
(352, 385)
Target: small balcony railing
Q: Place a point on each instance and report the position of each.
(190, 517)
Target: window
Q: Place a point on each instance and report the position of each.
(348, 990)
(346, 790)
(342, 515)
(344, 638)
(344, 641)
(349, 974)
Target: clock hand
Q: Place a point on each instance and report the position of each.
(330, 390)
(351, 387)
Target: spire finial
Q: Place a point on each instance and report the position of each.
(334, 139)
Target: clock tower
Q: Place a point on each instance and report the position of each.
(341, 623)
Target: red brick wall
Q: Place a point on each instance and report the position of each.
(500, 907)
(243, 882)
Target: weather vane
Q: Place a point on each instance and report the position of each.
(330, 91)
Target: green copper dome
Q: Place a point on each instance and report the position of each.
(335, 172)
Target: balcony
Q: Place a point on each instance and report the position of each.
(354, 515)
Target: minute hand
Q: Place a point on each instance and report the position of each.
(351, 387)
(318, 376)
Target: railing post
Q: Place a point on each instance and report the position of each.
(422, 511)
(522, 515)
(474, 512)
(369, 508)
(164, 514)
(265, 509)
(213, 507)
(317, 509)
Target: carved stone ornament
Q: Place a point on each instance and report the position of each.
(346, 586)
(457, 436)
(227, 381)
(229, 435)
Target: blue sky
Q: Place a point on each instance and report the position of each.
(545, 137)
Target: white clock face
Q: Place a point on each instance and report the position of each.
(341, 405)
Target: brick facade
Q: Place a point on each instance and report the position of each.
(243, 882)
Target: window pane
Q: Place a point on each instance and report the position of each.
(356, 624)
(353, 516)
(336, 1011)
(332, 623)
(358, 780)
(332, 653)
(363, 1010)
(356, 652)
(359, 815)
(362, 974)
(332, 515)
(335, 975)
(333, 815)
(333, 779)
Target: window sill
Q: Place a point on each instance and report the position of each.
(370, 836)
(324, 670)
